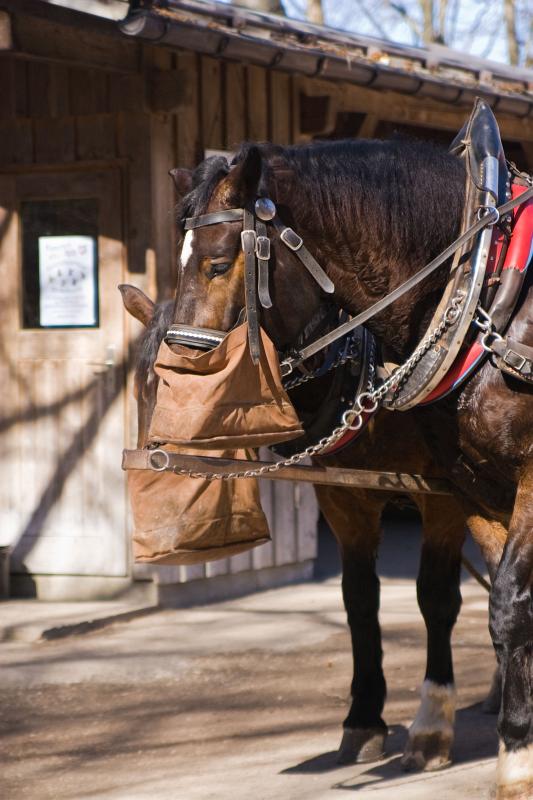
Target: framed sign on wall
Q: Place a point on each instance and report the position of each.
(60, 263)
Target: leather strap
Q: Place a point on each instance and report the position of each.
(514, 358)
(230, 215)
(295, 243)
(248, 239)
(200, 338)
(263, 258)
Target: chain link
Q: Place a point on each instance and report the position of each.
(344, 355)
(366, 402)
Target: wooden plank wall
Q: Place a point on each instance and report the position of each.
(81, 102)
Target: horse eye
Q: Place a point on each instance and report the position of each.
(219, 268)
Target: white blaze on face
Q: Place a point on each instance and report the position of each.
(186, 250)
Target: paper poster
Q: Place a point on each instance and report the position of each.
(67, 281)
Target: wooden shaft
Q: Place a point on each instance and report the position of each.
(403, 482)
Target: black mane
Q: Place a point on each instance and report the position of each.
(415, 188)
(205, 178)
(151, 339)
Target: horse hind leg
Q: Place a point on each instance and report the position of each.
(511, 628)
(490, 536)
(431, 734)
(354, 517)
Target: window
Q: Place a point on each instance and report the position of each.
(60, 263)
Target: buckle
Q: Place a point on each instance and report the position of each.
(159, 460)
(514, 359)
(262, 248)
(248, 240)
(291, 239)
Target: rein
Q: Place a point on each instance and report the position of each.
(256, 248)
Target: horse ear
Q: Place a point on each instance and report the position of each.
(244, 177)
(137, 303)
(182, 179)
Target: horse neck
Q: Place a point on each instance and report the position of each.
(374, 237)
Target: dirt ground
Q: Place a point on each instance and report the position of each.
(243, 699)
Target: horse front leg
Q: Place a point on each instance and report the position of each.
(439, 598)
(354, 517)
(511, 628)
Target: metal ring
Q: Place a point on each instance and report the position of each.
(154, 465)
(492, 210)
(362, 399)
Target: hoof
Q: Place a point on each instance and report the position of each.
(515, 773)
(427, 752)
(362, 745)
(515, 791)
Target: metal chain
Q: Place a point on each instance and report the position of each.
(344, 355)
(366, 402)
(484, 322)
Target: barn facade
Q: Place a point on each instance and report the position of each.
(100, 98)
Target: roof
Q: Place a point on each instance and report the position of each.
(231, 32)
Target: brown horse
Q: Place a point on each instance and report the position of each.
(355, 516)
(373, 213)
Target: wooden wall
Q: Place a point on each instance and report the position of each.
(83, 98)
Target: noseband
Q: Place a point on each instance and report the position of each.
(256, 248)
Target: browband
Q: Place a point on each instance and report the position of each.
(230, 215)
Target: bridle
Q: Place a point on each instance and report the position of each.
(256, 247)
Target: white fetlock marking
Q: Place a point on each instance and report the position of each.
(436, 713)
(515, 766)
(186, 250)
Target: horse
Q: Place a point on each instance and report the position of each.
(431, 734)
(373, 213)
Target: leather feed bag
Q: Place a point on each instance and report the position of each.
(220, 398)
(182, 520)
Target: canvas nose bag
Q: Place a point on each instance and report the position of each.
(182, 520)
(220, 398)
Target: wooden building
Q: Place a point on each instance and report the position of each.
(99, 99)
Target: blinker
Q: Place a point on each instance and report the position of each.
(265, 209)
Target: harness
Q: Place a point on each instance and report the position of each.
(487, 272)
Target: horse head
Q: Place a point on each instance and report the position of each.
(211, 291)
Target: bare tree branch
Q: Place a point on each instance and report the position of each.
(428, 34)
(315, 12)
(406, 17)
(373, 19)
(512, 38)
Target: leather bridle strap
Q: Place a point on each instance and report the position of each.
(490, 217)
(263, 257)
(248, 240)
(295, 243)
(230, 215)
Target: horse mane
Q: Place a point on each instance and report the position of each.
(414, 187)
(151, 339)
(204, 179)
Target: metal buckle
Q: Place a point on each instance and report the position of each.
(489, 211)
(262, 248)
(248, 240)
(155, 465)
(514, 359)
(291, 239)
